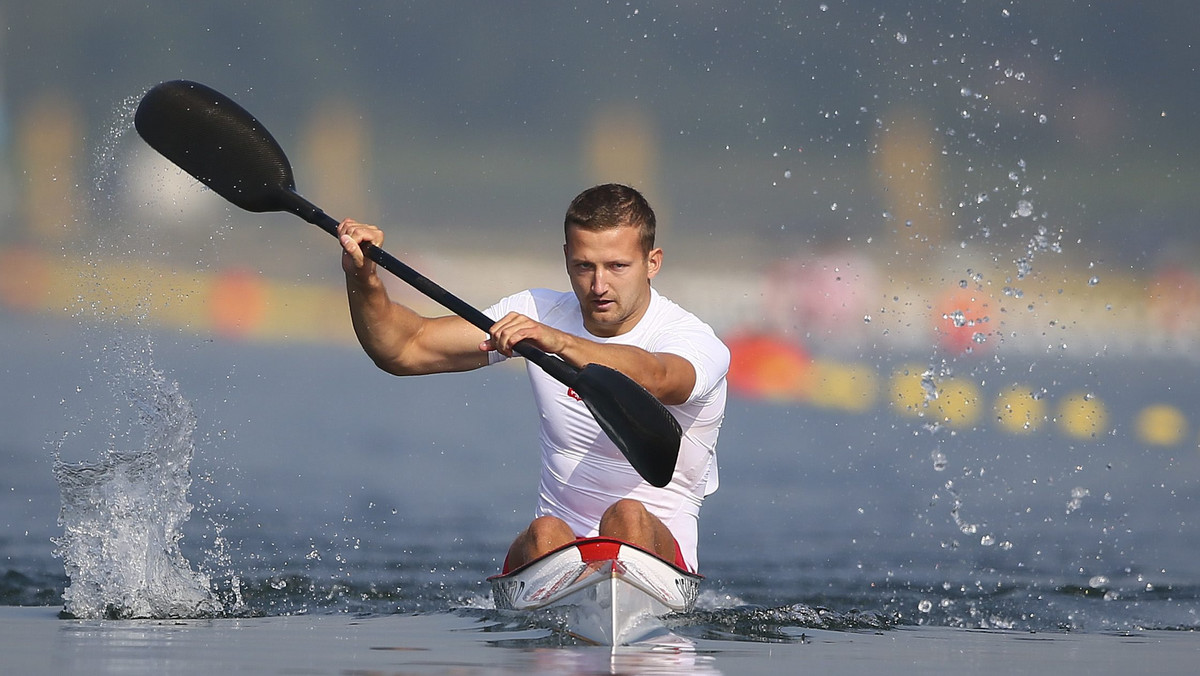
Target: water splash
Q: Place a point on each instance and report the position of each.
(929, 387)
(1077, 495)
(963, 525)
(779, 623)
(121, 517)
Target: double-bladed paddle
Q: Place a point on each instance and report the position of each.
(224, 147)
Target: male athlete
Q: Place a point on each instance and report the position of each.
(613, 318)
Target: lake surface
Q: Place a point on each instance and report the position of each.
(320, 486)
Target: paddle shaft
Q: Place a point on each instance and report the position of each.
(557, 368)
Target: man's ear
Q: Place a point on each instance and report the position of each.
(654, 262)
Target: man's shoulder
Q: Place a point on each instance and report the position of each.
(671, 315)
(549, 296)
(668, 327)
(539, 304)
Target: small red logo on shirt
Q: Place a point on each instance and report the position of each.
(572, 394)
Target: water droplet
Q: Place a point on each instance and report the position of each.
(1024, 267)
(901, 38)
(1093, 281)
(925, 605)
(939, 461)
(928, 386)
(1077, 495)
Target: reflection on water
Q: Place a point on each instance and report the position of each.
(622, 660)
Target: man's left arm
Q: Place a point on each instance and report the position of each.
(669, 377)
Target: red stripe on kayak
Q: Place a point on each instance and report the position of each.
(592, 551)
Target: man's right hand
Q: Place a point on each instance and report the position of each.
(352, 234)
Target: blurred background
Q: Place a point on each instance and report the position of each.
(937, 208)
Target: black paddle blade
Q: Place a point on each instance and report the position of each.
(216, 141)
(638, 424)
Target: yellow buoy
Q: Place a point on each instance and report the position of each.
(1161, 425)
(1082, 415)
(1018, 411)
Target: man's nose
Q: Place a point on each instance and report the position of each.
(599, 282)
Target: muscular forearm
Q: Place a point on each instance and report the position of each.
(668, 377)
(383, 328)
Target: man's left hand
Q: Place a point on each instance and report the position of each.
(514, 328)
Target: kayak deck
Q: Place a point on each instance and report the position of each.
(608, 592)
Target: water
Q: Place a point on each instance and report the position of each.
(121, 517)
(321, 486)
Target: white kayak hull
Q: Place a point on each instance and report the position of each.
(602, 590)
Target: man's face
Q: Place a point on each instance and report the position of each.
(611, 277)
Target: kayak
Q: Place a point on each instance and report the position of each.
(604, 591)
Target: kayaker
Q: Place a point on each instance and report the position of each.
(613, 317)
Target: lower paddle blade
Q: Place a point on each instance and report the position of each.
(638, 424)
(216, 141)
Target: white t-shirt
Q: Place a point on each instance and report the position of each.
(583, 472)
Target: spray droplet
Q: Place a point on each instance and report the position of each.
(939, 461)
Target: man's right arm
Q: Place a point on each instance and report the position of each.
(397, 339)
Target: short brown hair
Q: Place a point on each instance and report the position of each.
(612, 205)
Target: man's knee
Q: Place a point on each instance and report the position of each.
(625, 515)
(547, 529)
(544, 534)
